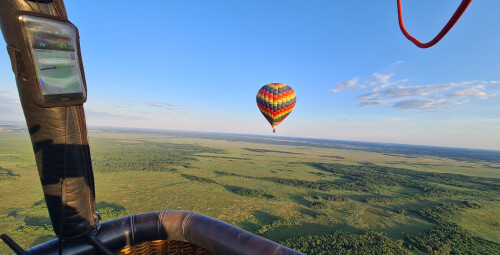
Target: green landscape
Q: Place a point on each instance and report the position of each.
(315, 196)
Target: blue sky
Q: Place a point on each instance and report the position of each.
(197, 65)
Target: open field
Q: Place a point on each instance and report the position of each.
(316, 196)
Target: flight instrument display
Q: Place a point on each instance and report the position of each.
(53, 46)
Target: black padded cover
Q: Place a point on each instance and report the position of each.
(211, 234)
(58, 134)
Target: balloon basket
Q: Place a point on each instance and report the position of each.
(163, 247)
(166, 232)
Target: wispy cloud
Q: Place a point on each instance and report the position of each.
(383, 89)
(103, 113)
(371, 102)
(131, 109)
(380, 81)
(161, 104)
(376, 82)
(349, 84)
(149, 103)
(428, 104)
(473, 91)
(402, 91)
(393, 65)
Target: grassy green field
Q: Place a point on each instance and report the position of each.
(314, 198)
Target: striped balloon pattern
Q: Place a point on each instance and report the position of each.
(276, 101)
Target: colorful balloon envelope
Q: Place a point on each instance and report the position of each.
(276, 101)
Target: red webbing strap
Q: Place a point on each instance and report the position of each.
(458, 13)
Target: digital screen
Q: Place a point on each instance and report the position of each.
(55, 55)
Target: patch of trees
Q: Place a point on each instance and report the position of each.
(172, 170)
(276, 224)
(337, 198)
(264, 151)
(441, 215)
(110, 210)
(221, 157)
(44, 230)
(352, 186)
(227, 174)
(401, 211)
(39, 205)
(184, 148)
(318, 174)
(386, 200)
(7, 175)
(151, 166)
(248, 192)
(197, 178)
(11, 216)
(346, 243)
(448, 237)
(372, 176)
(452, 239)
(328, 197)
(369, 178)
(325, 186)
(147, 156)
(39, 226)
(318, 205)
(471, 204)
(335, 157)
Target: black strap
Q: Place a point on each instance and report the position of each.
(98, 245)
(13, 245)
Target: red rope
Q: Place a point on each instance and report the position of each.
(458, 13)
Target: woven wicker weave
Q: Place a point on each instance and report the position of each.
(163, 247)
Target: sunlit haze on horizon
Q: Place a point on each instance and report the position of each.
(197, 65)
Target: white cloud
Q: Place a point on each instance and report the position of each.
(381, 89)
(161, 104)
(383, 80)
(371, 102)
(466, 91)
(401, 91)
(126, 111)
(107, 114)
(376, 82)
(393, 65)
(474, 91)
(380, 81)
(428, 104)
(349, 84)
(149, 103)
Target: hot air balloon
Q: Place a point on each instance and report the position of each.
(276, 101)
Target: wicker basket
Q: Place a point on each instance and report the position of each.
(163, 247)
